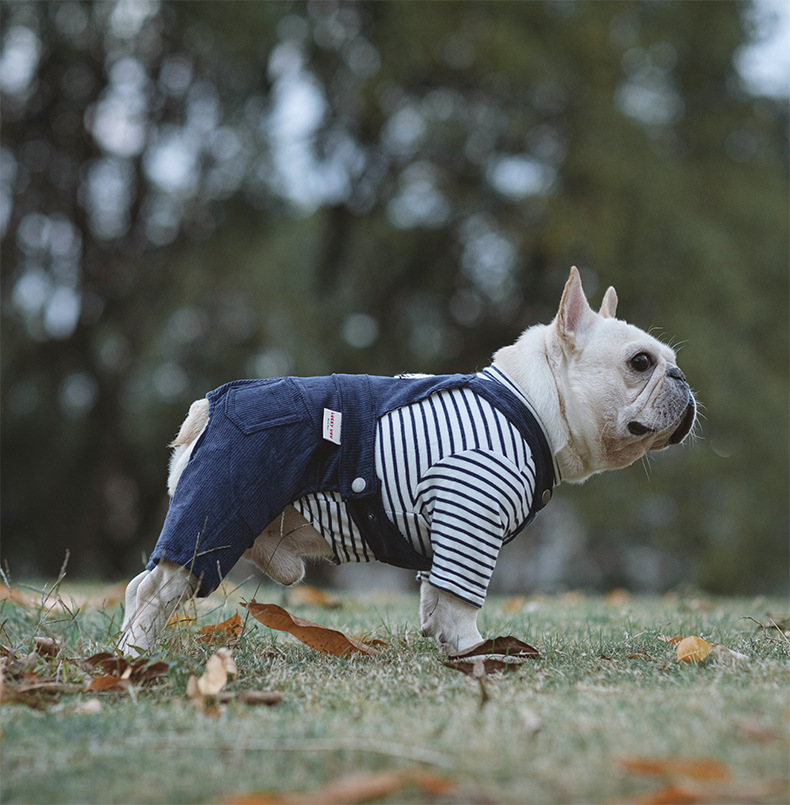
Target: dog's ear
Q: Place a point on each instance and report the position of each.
(609, 304)
(575, 316)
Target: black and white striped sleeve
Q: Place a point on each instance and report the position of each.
(474, 500)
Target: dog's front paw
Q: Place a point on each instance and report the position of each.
(451, 622)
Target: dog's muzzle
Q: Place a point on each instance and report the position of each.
(686, 424)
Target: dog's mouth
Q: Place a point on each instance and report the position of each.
(686, 424)
(678, 435)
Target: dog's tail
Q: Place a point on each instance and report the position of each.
(182, 445)
(193, 425)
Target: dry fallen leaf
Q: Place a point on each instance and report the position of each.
(117, 674)
(139, 671)
(700, 781)
(482, 660)
(667, 795)
(693, 649)
(508, 645)
(218, 667)
(229, 628)
(320, 638)
(207, 687)
(108, 683)
(703, 769)
(484, 666)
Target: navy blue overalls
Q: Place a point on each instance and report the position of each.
(264, 448)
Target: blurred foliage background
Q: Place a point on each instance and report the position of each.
(196, 192)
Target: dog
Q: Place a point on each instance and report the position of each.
(433, 473)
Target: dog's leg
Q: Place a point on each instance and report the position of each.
(151, 599)
(131, 599)
(451, 622)
(281, 548)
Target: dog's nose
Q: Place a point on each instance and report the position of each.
(676, 374)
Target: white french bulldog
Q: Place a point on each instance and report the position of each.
(603, 392)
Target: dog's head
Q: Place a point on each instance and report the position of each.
(619, 391)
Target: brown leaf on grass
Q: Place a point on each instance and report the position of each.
(218, 667)
(481, 660)
(320, 638)
(26, 687)
(203, 691)
(354, 788)
(509, 646)
(484, 666)
(229, 628)
(108, 684)
(702, 769)
(139, 671)
(207, 691)
(693, 649)
(667, 795)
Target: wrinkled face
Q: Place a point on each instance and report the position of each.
(632, 381)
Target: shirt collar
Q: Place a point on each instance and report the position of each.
(498, 374)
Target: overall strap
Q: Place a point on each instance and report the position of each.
(528, 426)
(386, 394)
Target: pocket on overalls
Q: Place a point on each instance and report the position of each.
(275, 439)
(263, 404)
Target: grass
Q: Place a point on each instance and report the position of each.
(556, 731)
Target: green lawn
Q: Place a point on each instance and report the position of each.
(557, 730)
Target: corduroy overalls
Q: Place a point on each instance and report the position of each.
(264, 448)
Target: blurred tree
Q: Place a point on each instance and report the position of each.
(194, 192)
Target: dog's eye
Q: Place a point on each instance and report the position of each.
(641, 362)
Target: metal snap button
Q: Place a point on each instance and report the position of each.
(358, 485)
(546, 496)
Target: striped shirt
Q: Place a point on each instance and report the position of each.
(457, 479)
